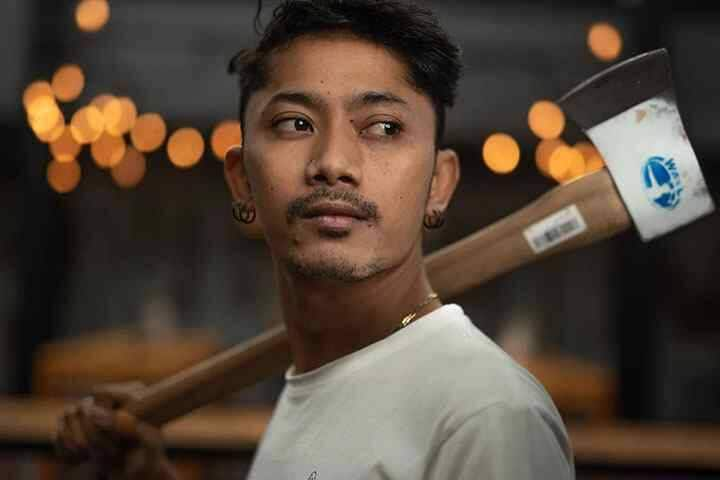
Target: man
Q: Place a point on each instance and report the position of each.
(343, 110)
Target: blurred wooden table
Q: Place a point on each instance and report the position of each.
(656, 445)
(30, 422)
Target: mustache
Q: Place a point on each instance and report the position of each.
(299, 207)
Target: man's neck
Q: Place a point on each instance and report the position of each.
(327, 320)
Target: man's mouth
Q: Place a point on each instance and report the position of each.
(334, 216)
(334, 209)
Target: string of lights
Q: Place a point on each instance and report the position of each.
(119, 138)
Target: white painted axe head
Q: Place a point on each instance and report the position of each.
(630, 114)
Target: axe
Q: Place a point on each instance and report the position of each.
(630, 113)
(663, 172)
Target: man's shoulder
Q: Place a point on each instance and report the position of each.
(470, 384)
(475, 372)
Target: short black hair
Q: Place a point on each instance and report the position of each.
(410, 31)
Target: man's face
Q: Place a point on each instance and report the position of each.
(339, 157)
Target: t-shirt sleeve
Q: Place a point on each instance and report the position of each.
(503, 442)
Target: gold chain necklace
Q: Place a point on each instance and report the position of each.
(410, 317)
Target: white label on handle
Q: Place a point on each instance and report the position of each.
(653, 166)
(555, 229)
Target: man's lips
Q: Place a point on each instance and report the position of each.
(335, 210)
(334, 216)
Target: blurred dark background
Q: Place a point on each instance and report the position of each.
(165, 256)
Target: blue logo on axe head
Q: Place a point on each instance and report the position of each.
(663, 185)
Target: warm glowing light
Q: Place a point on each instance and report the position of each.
(43, 115)
(565, 163)
(87, 124)
(131, 169)
(543, 151)
(112, 111)
(54, 133)
(36, 90)
(100, 100)
(593, 159)
(68, 82)
(119, 124)
(225, 135)
(185, 147)
(604, 41)
(501, 153)
(63, 177)
(108, 150)
(559, 162)
(92, 15)
(65, 148)
(586, 148)
(546, 119)
(149, 132)
(577, 166)
(119, 113)
(594, 163)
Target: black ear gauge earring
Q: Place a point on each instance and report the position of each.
(434, 220)
(243, 212)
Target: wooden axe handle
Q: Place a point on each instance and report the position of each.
(470, 262)
(502, 246)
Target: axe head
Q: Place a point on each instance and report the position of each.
(630, 114)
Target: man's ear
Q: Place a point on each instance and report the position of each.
(239, 185)
(445, 178)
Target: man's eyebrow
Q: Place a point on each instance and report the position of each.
(359, 100)
(369, 98)
(306, 99)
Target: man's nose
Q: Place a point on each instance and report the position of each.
(337, 158)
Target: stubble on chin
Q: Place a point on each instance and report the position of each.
(332, 268)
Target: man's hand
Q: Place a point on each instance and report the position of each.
(117, 443)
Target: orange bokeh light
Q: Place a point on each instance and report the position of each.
(131, 169)
(577, 167)
(100, 100)
(35, 90)
(87, 124)
(543, 151)
(604, 41)
(92, 15)
(594, 163)
(149, 132)
(225, 135)
(65, 148)
(68, 82)
(185, 147)
(501, 153)
(54, 133)
(112, 111)
(566, 163)
(593, 159)
(546, 119)
(63, 177)
(108, 150)
(43, 115)
(120, 124)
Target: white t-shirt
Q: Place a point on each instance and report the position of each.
(437, 400)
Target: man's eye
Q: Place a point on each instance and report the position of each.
(293, 125)
(383, 129)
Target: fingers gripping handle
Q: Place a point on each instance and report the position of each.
(216, 377)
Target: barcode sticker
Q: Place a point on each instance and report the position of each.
(555, 229)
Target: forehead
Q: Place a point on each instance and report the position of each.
(339, 65)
